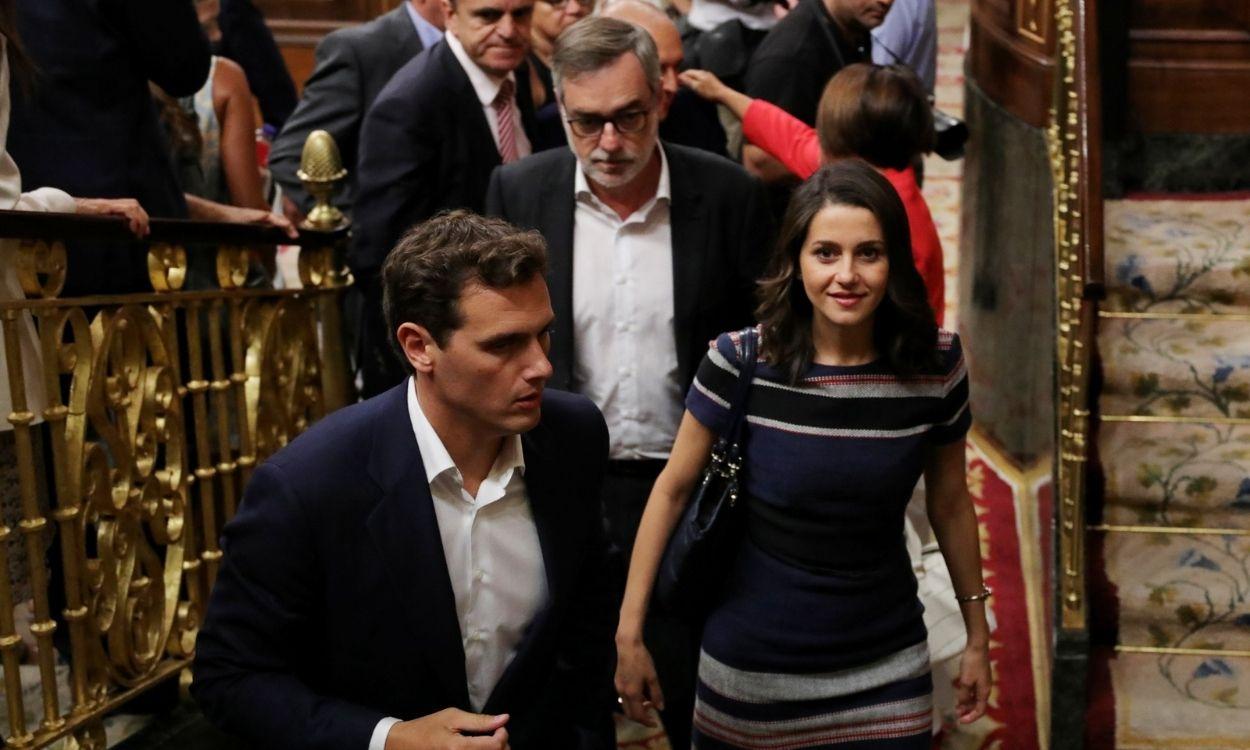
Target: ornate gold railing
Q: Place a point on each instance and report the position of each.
(155, 408)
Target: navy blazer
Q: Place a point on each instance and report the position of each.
(333, 608)
(353, 64)
(425, 146)
(721, 231)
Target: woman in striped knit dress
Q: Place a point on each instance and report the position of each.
(818, 640)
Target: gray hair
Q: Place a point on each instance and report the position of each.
(596, 42)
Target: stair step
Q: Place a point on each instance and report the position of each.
(1177, 256)
(1198, 368)
(1181, 590)
(1176, 474)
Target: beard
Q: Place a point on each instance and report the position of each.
(630, 166)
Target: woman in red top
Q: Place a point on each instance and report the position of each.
(879, 114)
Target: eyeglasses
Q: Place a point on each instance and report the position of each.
(623, 122)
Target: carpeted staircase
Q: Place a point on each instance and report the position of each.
(1174, 448)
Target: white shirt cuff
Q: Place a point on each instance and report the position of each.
(378, 740)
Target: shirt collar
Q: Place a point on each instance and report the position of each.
(663, 190)
(437, 461)
(428, 33)
(486, 86)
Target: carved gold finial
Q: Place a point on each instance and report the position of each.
(321, 170)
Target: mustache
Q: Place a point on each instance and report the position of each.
(599, 155)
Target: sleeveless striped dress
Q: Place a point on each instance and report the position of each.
(818, 639)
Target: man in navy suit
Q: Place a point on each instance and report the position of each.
(427, 567)
(430, 141)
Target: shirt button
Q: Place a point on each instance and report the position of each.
(479, 575)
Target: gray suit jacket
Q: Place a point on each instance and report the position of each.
(352, 66)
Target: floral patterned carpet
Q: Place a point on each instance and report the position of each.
(1185, 590)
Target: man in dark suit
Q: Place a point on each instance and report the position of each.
(654, 249)
(437, 129)
(352, 66)
(429, 564)
(87, 125)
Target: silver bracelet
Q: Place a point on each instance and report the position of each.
(985, 594)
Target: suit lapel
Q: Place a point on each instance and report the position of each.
(405, 530)
(542, 487)
(555, 216)
(471, 113)
(689, 251)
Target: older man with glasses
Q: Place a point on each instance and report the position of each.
(668, 241)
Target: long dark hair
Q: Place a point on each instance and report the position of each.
(904, 328)
(21, 69)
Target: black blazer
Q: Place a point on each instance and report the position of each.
(87, 124)
(333, 608)
(425, 146)
(721, 234)
(352, 66)
(246, 39)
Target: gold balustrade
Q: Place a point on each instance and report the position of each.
(155, 408)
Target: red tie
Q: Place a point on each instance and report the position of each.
(507, 121)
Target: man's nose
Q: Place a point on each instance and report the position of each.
(540, 368)
(506, 27)
(610, 138)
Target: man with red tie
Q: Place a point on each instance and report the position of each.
(430, 141)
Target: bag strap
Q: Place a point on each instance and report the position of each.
(746, 373)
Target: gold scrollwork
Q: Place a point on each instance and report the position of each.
(41, 268)
(283, 371)
(167, 266)
(139, 506)
(316, 267)
(232, 266)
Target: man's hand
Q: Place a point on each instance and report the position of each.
(447, 730)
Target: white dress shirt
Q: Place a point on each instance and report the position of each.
(493, 557)
(487, 88)
(626, 350)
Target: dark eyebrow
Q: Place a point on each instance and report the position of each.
(512, 337)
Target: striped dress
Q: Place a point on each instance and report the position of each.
(818, 640)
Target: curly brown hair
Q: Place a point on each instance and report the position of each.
(425, 274)
(904, 327)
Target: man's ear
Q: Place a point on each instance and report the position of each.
(449, 8)
(418, 346)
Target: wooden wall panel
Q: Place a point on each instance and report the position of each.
(1009, 57)
(298, 25)
(1188, 66)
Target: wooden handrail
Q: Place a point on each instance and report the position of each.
(34, 225)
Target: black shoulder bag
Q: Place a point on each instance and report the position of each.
(707, 536)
